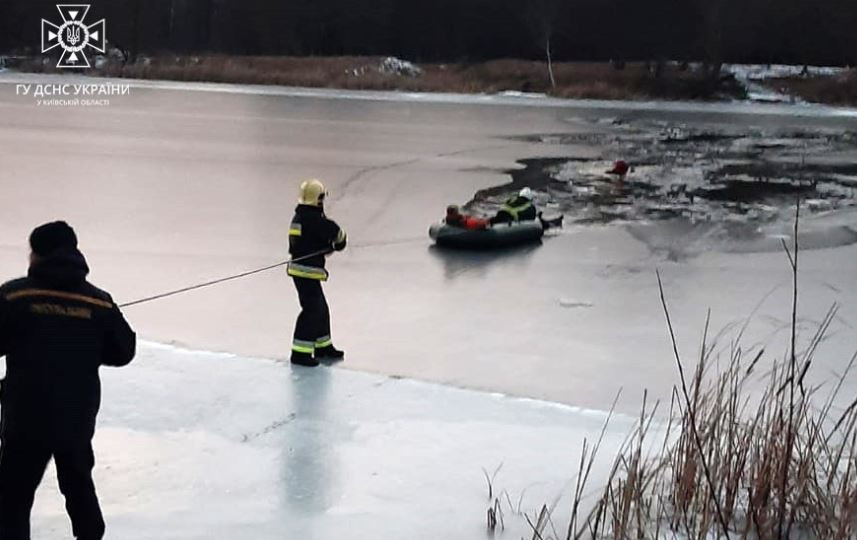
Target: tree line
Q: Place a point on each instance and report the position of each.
(714, 31)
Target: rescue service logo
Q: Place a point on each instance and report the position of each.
(73, 36)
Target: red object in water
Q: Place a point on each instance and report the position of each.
(620, 167)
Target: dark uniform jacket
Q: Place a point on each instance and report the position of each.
(56, 330)
(310, 233)
(516, 208)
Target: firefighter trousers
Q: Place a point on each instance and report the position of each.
(312, 329)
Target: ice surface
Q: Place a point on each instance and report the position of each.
(170, 188)
(202, 446)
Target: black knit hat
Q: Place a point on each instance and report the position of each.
(51, 237)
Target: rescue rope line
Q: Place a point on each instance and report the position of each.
(256, 271)
(222, 280)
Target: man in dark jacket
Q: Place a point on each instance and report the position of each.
(56, 330)
(312, 236)
(518, 208)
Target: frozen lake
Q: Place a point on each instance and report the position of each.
(170, 186)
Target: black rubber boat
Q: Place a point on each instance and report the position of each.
(496, 237)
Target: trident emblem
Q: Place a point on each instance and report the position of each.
(73, 36)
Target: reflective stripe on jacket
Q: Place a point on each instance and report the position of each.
(311, 236)
(517, 210)
(307, 272)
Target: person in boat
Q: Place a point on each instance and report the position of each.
(520, 207)
(455, 218)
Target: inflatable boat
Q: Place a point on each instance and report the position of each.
(496, 237)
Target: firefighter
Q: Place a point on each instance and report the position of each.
(56, 331)
(518, 208)
(312, 237)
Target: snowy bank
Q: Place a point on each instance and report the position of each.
(753, 76)
(196, 445)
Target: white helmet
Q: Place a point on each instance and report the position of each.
(312, 193)
(527, 193)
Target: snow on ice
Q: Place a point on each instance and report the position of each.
(204, 446)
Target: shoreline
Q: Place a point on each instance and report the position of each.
(580, 80)
(798, 110)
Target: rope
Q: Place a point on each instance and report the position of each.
(221, 280)
(257, 271)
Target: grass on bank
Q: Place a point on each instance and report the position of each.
(734, 460)
(832, 89)
(585, 80)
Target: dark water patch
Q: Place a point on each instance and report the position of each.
(769, 146)
(564, 139)
(699, 138)
(778, 169)
(831, 168)
(744, 191)
(536, 173)
(495, 170)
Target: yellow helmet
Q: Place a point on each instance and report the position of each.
(312, 193)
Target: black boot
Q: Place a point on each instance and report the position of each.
(303, 359)
(329, 353)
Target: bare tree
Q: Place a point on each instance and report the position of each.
(541, 18)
